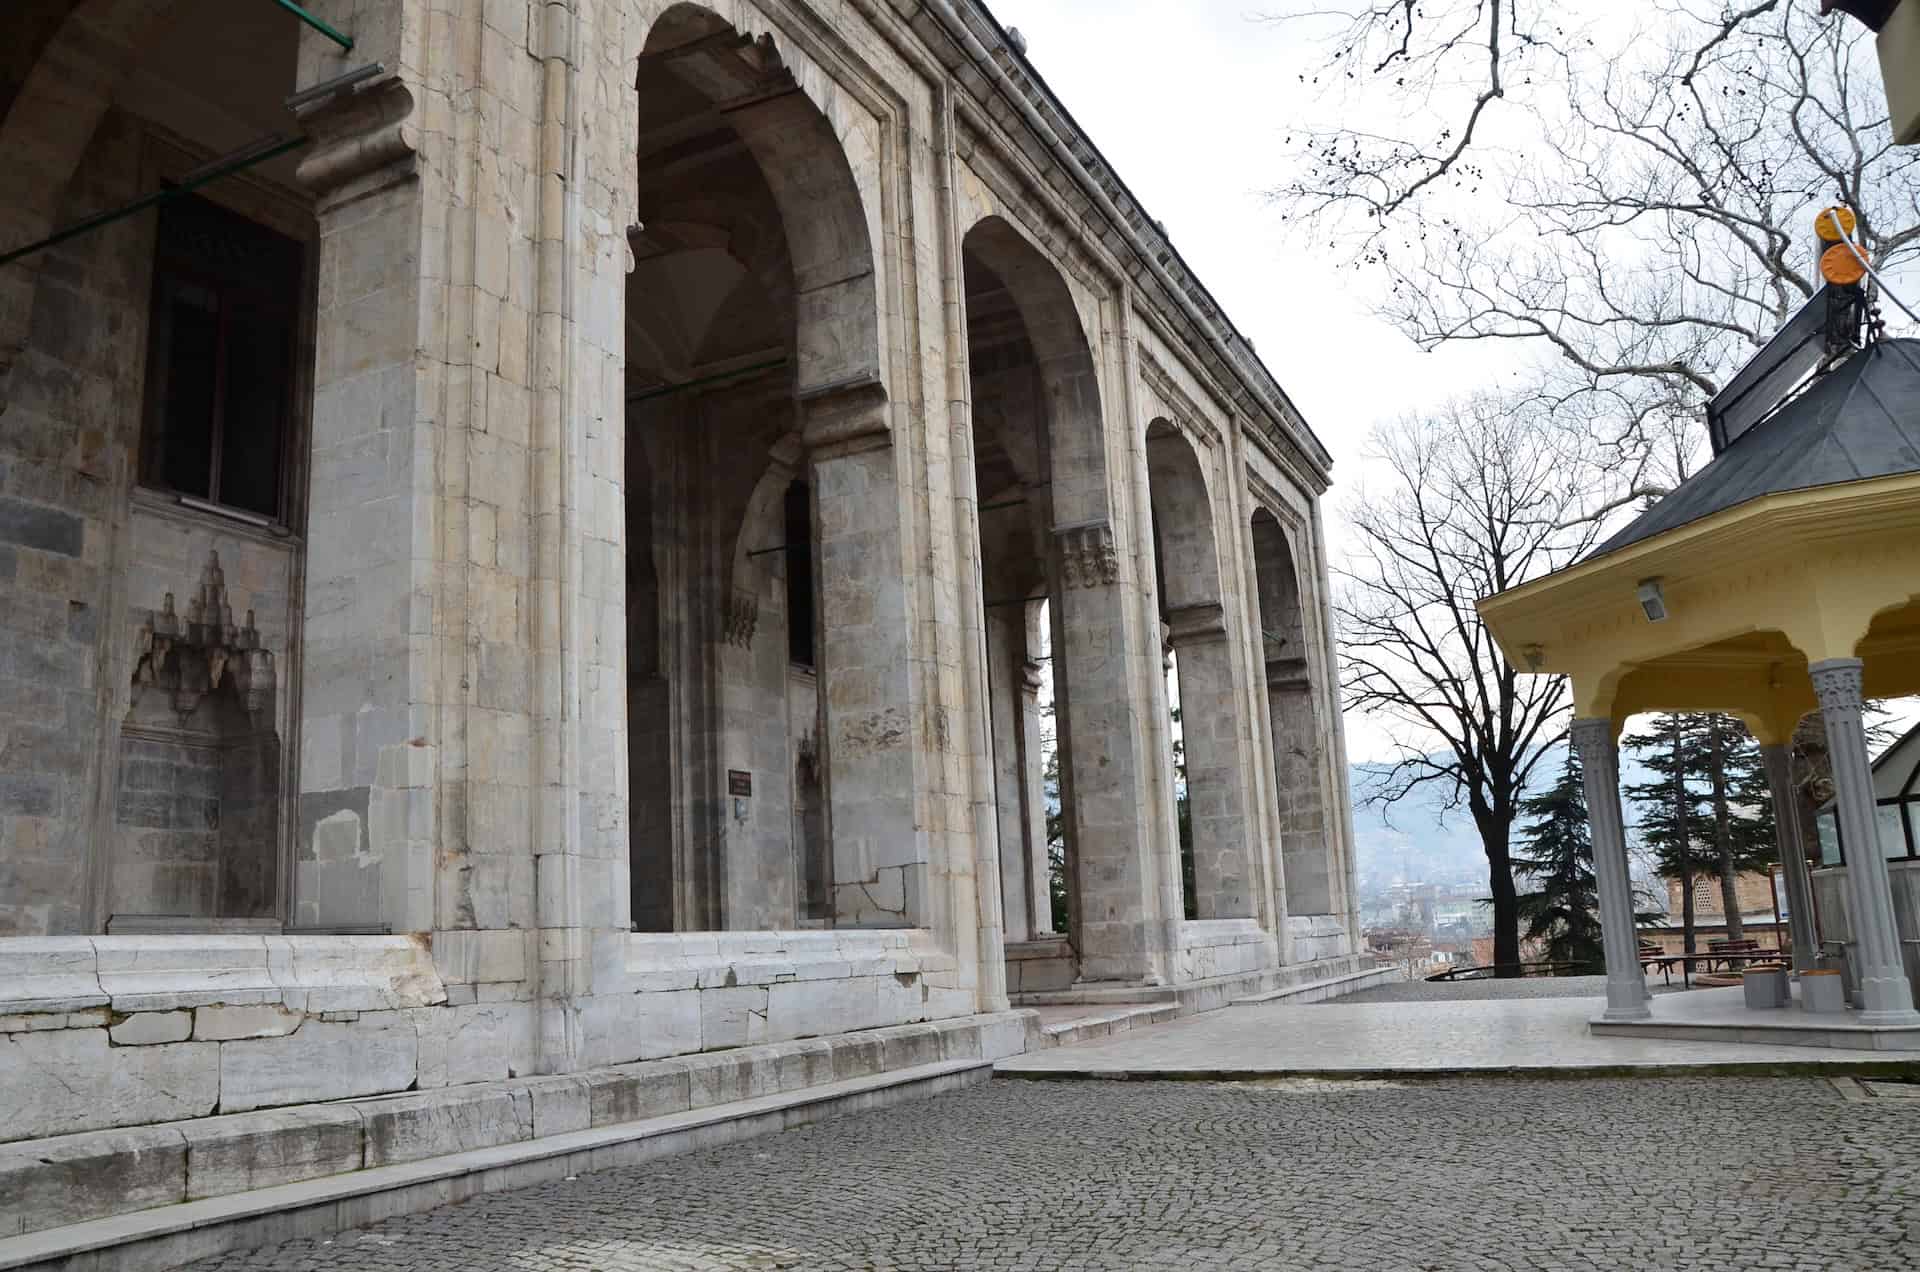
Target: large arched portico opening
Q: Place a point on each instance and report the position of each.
(1047, 535)
(1306, 861)
(1193, 616)
(751, 311)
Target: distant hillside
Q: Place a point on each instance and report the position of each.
(1418, 839)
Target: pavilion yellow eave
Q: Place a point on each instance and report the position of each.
(1753, 594)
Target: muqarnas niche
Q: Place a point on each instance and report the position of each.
(197, 814)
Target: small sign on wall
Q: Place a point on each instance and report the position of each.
(739, 784)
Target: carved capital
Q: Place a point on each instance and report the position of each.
(1837, 684)
(1592, 739)
(364, 137)
(1087, 554)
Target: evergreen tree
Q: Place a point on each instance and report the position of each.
(1707, 810)
(1741, 805)
(1671, 821)
(1557, 857)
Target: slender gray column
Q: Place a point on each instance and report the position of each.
(1886, 998)
(1793, 853)
(1600, 768)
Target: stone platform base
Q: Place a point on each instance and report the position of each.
(1206, 995)
(1722, 1015)
(159, 1196)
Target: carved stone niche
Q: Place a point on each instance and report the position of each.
(196, 826)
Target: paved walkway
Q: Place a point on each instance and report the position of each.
(1407, 1039)
(1673, 1174)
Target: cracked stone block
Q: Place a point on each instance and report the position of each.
(636, 1091)
(723, 1077)
(320, 1061)
(409, 1128)
(66, 1080)
(144, 1029)
(231, 1024)
(270, 1147)
(48, 1183)
(733, 1017)
(484, 1042)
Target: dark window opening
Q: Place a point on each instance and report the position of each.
(799, 554)
(227, 296)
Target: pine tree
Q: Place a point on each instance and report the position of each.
(1741, 804)
(1672, 824)
(1557, 856)
(1707, 811)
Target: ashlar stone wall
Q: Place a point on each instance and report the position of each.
(594, 285)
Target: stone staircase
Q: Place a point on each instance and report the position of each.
(159, 1196)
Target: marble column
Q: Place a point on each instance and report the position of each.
(1210, 727)
(871, 716)
(1793, 856)
(1886, 997)
(1600, 766)
(1117, 928)
(1033, 800)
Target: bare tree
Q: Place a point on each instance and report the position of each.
(1654, 229)
(1474, 500)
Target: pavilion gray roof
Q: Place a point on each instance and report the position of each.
(1860, 420)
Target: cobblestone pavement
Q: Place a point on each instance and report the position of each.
(1670, 1174)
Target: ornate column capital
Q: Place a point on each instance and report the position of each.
(1837, 684)
(1592, 737)
(1088, 557)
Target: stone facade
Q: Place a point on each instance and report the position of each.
(568, 566)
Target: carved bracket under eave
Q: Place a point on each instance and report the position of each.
(365, 139)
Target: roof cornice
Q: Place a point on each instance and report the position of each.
(1161, 271)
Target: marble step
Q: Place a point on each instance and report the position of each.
(170, 1236)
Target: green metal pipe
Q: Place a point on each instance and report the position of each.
(344, 41)
(140, 205)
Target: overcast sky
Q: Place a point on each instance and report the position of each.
(1191, 101)
(1192, 110)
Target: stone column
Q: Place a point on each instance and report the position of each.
(1210, 729)
(1116, 924)
(870, 715)
(1033, 802)
(1004, 694)
(1886, 997)
(1600, 767)
(1793, 857)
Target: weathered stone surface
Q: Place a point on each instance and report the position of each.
(320, 1061)
(632, 1092)
(72, 1178)
(483, 1042)
(149, 1027)
(229, 1024)
(408, 1128)
(72, 1079)
(269, 1147)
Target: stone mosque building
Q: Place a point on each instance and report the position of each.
(542, 535)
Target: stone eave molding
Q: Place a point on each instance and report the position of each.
(1160, 265)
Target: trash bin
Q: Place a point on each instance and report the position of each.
(1766, 986)
(1823, 989)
